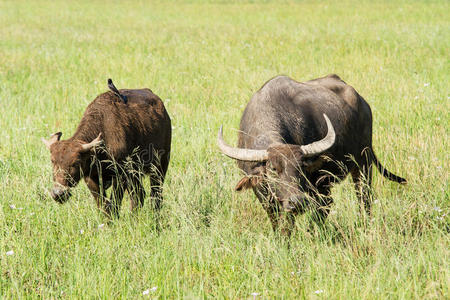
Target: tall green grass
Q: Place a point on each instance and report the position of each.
(205, 60)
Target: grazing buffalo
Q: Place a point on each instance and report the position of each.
(122, 135)
(298, 138)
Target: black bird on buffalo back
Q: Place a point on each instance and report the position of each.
(116, 92)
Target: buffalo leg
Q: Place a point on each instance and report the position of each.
(98, 193)
(362, 178)
(112, 206)
(286, 221)
(322, 204)
(137, 194)
(156, 183)
(282, 221)
(269, 205)
(274, 215)
(157, 177)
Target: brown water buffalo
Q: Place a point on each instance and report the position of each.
(122, 135)
(298, 138)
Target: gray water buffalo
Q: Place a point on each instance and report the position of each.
(298, 138)
(134, 132)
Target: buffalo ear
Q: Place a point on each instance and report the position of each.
(246, 182)
(53, 139)
(243, 184)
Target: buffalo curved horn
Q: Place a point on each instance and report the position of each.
(53, 139)
(238, 153)
(88, 146)
(324, 144)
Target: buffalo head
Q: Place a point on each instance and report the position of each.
(68, 159)
(281, 167)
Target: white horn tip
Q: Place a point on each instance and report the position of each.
(220, 132)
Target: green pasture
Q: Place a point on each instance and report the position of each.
(205, 60)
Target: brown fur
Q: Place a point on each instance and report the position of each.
(140, 130)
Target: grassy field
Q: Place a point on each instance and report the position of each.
(205, 60)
